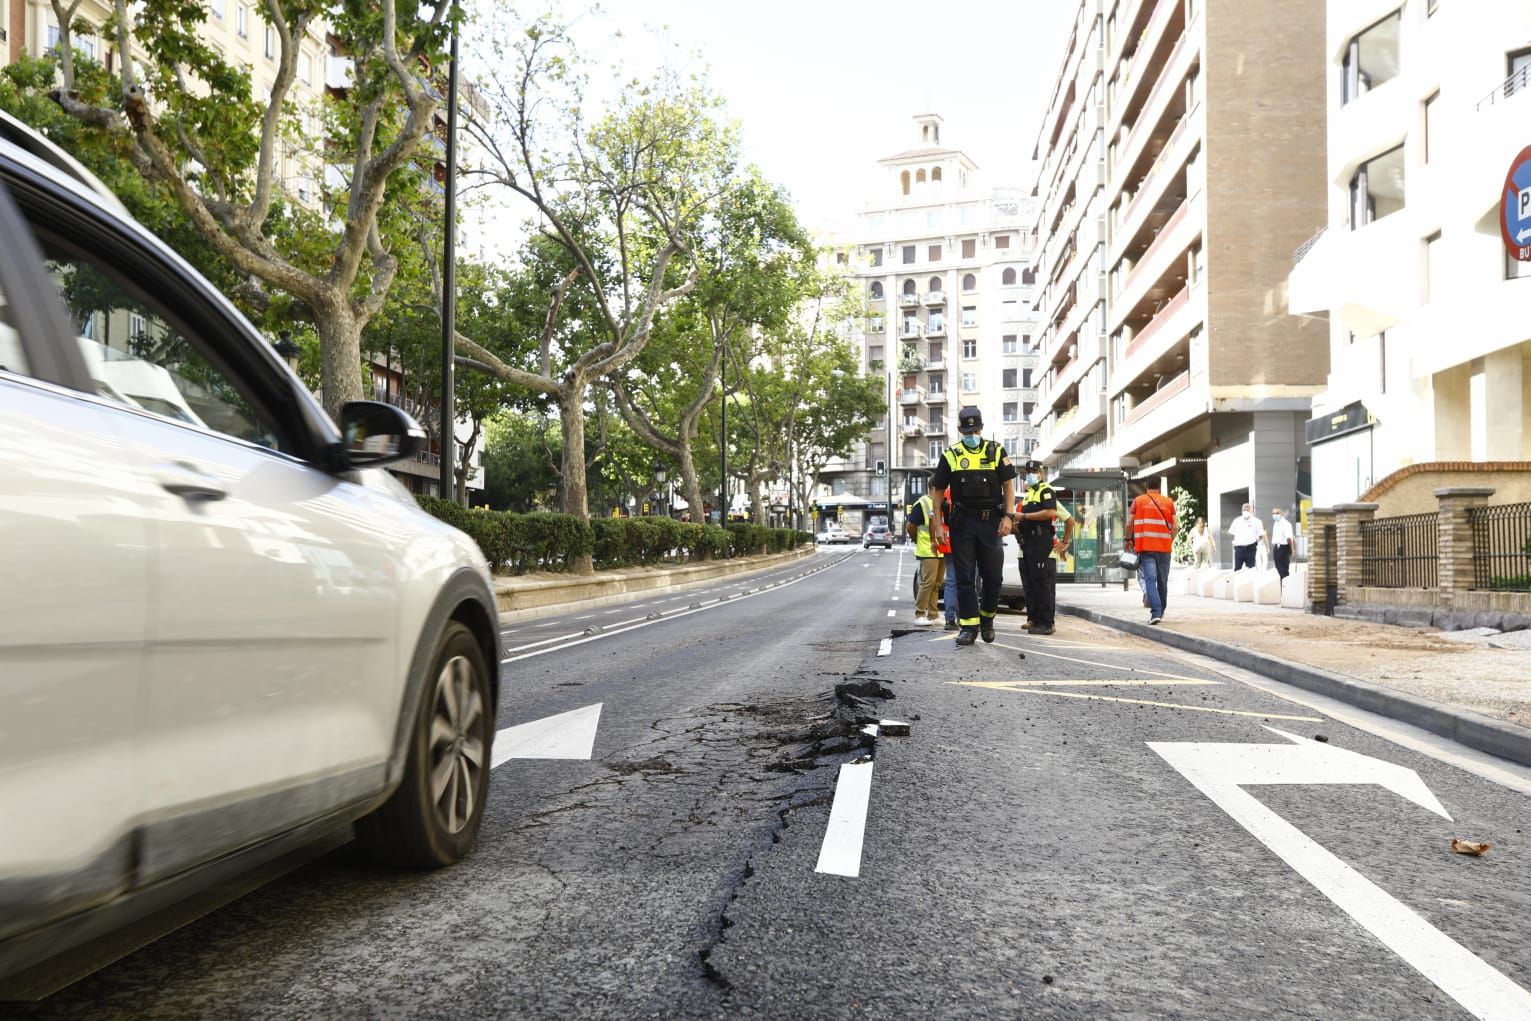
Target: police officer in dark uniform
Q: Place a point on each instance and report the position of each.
(1039, 571)
(980, 482)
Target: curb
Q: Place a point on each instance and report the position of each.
(624, 585)
(1495, 737)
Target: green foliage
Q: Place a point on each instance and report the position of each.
(1187, 509)
(717, 542)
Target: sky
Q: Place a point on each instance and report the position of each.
(824, 89)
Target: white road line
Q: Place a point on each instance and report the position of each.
(621, 627)
(617, 610)
(893, 613)
(885, 646)
(585, 617)
(840, 854)
(548, 624)
(899, 578)
(569, 735)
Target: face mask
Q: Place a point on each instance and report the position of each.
(971, 442)
(1246, 515)
(1031, 478)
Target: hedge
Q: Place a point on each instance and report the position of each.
(549, 542)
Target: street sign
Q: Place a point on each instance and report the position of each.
(1220, 770)
(1515, 208)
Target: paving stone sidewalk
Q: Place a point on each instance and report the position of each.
(1485, 673)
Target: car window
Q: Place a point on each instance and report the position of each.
(12, 357)
(140, 357)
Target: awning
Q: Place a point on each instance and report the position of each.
(1349, 419)
(843, 500)
(1162, 467)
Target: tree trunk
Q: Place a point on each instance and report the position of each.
(340, 343)
(690, 483)
(571, 414)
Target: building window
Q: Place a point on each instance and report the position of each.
(911, 326)
(216, 6)
(919, 176)
(875, 290)
(910, 290)
(969, 382)
(970, 349)
(1429, 267)
(908, 255)
(969, 282)
(1011, 411)
(1026, 380)
(1010, 376)
(1377, 188)
(935, 352)
(936, 449)
(1430, 121)
(934, 255)
(1027, 409)
(937, 422)
(242, 20)
(1002, 241)
(1026, 347)
(874, 355)
(1370, 59)
(1008, 344)
(876, 256)
(1008, 276)
(935, 174)
(270, 43)
(874, 324)
(934, 286)
(306, 74)
(904, 181)
(1028, 277)
(937, 322)
(937, 383)
(969, 247)
(969, 315)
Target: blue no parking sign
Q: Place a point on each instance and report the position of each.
(1515, 208)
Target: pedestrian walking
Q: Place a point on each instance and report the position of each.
(918, 517)
(1039, 568)
(1153, 537)
(1247, 531)
(1283, 542)
(949, 593)
(1203, 545)
(980, 480)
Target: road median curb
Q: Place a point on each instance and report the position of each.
(1495, 737)
(518, 599)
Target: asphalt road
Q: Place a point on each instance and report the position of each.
(1079, 825)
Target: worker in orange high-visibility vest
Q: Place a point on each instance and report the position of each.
(1152, 520)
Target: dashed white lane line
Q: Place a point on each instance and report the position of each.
(893, 613)
(885, 646)
(548, 624)
(585, 617)
(840, 854)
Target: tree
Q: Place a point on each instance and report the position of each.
(520, 462)
(619, 198)
(753, 257)
(192, 126)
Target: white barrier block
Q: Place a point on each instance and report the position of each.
(1244, 585)
(1207, 582)
(1267, 588)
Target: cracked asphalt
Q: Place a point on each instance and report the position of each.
(1026, 853)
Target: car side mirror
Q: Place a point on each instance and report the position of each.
(373, 433)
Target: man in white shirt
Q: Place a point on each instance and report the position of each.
(1247, 531)
(1283, 542)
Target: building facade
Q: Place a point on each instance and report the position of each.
(1429, 314)
(944, 269)
(1177, 169)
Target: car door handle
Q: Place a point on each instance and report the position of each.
(189, 482)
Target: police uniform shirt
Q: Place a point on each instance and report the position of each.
(1038, 498)
(941, 478)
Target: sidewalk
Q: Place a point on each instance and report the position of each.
(1451, 683)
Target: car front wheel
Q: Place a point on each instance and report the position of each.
(432, 819)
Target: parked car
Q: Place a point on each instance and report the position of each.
(226, 633)
(833, 534)
(877, 535)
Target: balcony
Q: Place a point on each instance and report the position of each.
(936, 397)
(912, 430)
(1168, 327)
(910, 331)
(909, 361)
(936, 298)
(1177, 234)
(1160, 176)
(874, 325)
(912, 395)
(1142, 60)
(910, 300)
(936, 328)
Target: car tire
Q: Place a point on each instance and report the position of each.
(432, 819)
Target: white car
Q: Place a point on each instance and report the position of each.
(223, 632)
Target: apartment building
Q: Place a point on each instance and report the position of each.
(1177, 164)
(944, 268)
(1429, 105)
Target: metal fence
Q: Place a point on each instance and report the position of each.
(1400, 552)
(1501, 547)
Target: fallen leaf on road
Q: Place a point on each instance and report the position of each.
(1471, 847)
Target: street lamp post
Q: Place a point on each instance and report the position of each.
(659, 494)
(449, 285)
(288, 351)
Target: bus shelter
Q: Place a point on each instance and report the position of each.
(1097, 500)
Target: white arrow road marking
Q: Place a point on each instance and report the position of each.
(840, 854)
(1218, 770)
(569, 735)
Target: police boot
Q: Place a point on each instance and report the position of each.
(986, 628)
(967, 636)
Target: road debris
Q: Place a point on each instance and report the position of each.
(1469, 847)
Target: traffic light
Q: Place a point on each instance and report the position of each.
(882, 468)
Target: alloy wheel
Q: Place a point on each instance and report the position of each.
(456, 744)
